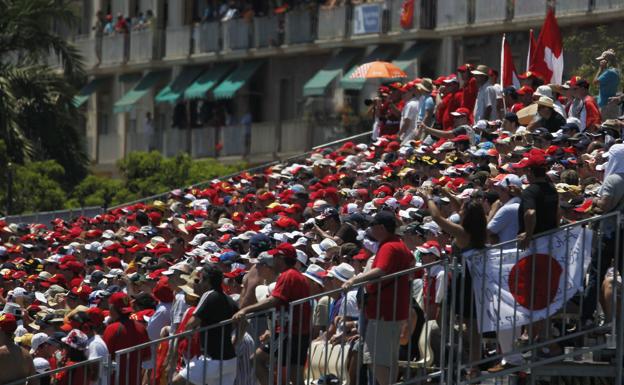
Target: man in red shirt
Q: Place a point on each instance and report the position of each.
(123, 333)
(387, 303)
(452, 101)
(291, 286)
(584, 106)
(469, 88)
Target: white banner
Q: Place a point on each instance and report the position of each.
(512, 288)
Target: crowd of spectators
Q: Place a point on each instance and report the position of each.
(455, 163)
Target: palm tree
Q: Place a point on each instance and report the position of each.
(37, 118)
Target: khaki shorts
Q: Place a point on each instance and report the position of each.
(382, 342)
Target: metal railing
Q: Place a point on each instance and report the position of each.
(529, 9)
(332, 23)
(90, 49)
(86, 372)
(236, 34)
(491, 11)
(178, 44)
(452, 13)
(299, 25)
(603, 5)
(572, 6)
(207, 37)
(142, 45)
(115, 49)
(266, 32)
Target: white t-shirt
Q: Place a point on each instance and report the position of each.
(160, 319)
(410, 111)
(505, 222)
(97, 349)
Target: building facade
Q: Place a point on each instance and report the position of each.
(268, 81)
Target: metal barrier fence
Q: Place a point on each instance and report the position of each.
(440, 321)
(87, 372)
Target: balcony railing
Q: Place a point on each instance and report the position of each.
(299, 27)
(236, 34)
(109, 148)
(367, 19)
(453, 13)
(178, 43)
(207, 37)
(572, 7)
(293, 136)
(490, 11)
(90, 49)
(263, 138)
(526, 9)
(142, 45)
(233, 140)
(115, 49)
(266, 32)
(332, 23)
(602, 5)
(203, 142)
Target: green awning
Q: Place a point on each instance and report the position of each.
(147, 82)
(86, 91)
(381, 52)
(207, 81)
(317, 85)
(228, 87)
(174, 90)
(411, 54)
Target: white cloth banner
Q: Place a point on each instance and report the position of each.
(505, 293)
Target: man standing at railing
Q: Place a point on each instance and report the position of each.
(291, 286)
(15, 362)
(387, 302)
(122, 333)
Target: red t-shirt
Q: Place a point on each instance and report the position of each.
(593, 113)
(291, 285)
(392, 256)
(122, 335)
(453, 102)
(469, 94)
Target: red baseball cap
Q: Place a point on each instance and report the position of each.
(532, 160)
(461, 111)
(461, 138)
(8, 323)
(121, 302)
(525, 90)
(163, 292)
(286, 250)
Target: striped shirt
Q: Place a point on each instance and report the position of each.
(245, 349)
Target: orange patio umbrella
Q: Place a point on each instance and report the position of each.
(378, 69)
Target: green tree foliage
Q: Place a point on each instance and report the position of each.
(37, 117)
(37, 187)
(588, 45)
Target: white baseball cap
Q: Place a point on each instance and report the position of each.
(342, 272)
(38, 340)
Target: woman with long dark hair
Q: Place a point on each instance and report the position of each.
(469, 235)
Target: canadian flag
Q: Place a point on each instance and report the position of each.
(509, 76)
(547, 59)
(514, 288)
(532, 44)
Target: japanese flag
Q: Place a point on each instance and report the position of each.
(514, 288)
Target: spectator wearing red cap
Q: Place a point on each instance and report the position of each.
(291, 285)
(584, 106)
(162, 316)
(451, 102)
(388, 301)
(539, 202)
(123, 333)
(15, 361)
(469, 86)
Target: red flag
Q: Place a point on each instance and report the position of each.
(547, 59)
(509, 76)
(532, 44)
(407, 14)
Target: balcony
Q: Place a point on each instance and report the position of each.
(143, 46)
(453, 13)
(90, 49)
(115, 49)
(178, 44)
(572, 7)
(605, 5)
(109, 148)
(527, 9)
(236, 35)
(490, 11)
(266, 32)
(332, 23)
(299, 27)
(207, 36)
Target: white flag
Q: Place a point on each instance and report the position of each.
(514, 288)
